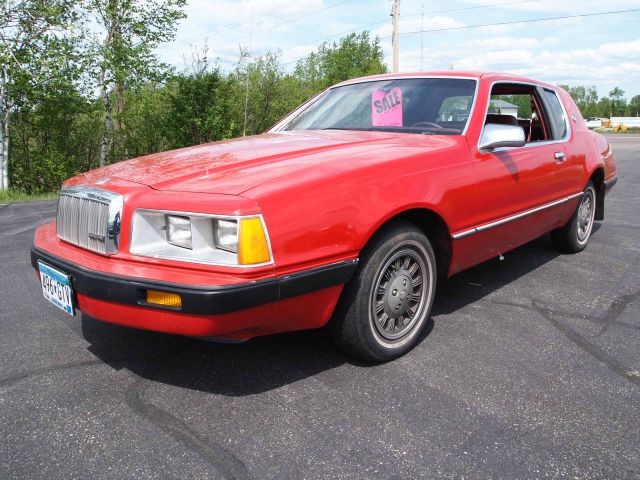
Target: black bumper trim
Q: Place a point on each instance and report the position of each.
(608, 184)
(203, 300)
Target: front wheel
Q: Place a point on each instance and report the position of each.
(573, 237)
(385, 307)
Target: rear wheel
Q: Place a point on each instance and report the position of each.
(384, 308)
(573, 237)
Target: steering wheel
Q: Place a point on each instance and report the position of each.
(426, 124)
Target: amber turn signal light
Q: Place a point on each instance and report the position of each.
(253, 247)
(164, 299)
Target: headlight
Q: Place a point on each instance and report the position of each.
(199, 238)
(179, 231)
(226, 235)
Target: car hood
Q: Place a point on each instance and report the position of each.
(235, 166)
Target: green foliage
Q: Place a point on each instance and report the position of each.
(355, 55)
(586, 98)
(132, 29)
(58, 130)
(633, 109)
(523, 102)
(81, 83)
(614, 105)
(37, 44)
(618, 103)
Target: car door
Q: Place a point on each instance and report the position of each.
(517, 189)
(569, 160)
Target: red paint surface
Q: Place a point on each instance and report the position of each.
(323, 194)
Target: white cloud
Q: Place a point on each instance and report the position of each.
(560, 6)
(589, 50)
(608, 65)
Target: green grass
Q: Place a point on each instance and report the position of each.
(13, 196)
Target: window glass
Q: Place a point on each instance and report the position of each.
(519, 105)
(558, 123)
(432, 106)
(455, 109)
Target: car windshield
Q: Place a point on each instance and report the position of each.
(434, 106)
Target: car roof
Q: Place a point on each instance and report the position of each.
(489, 76)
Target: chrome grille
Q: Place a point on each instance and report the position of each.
(90, 217)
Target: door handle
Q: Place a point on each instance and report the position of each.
(560, 156)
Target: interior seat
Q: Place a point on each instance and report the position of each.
(501, 119)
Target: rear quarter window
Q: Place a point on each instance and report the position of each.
(556, 114)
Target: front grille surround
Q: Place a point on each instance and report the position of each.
(90, 218)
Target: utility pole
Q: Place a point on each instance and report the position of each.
(395, 14)
(246, 94)
(422, 39)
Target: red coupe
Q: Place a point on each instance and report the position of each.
(344, 213)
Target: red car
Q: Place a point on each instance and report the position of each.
(346, 212)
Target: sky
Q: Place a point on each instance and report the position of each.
(600, 50)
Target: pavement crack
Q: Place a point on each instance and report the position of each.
(617, 307)
(20, 377)
(578, 339)
(223, 460)
(17, 378)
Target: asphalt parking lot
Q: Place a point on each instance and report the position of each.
(531, 369)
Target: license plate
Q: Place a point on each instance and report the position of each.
(56, 287)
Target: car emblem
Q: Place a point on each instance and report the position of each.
(96, 236)
(102, 180)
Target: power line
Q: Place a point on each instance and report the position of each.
(404, 16)
(344, 32)
(374, 24)
(472, 8)
(288, 21)
(226, 27)
(532, 20)
(272, 10)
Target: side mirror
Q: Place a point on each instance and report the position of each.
(495, 135)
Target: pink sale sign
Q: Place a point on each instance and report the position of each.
(386, 107)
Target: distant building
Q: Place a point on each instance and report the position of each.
(503, 108)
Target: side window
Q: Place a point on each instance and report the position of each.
(519, 105)
(556, 115)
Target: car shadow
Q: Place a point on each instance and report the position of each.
(477, 282)
(266, 363)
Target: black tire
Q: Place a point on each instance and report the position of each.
(398, 260)
(574, 236)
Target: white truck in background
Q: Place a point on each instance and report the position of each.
(594, 122)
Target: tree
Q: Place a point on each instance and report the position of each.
(355, 55)
(586, 98)
(634, 106)
(123, 56)
(604, 107)
(199, 105)
(34, 35)
(618, 103)
(272, 92)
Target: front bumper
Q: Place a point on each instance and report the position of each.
(198, 300)
(214, 303)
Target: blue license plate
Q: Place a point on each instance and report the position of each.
(56, 287)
